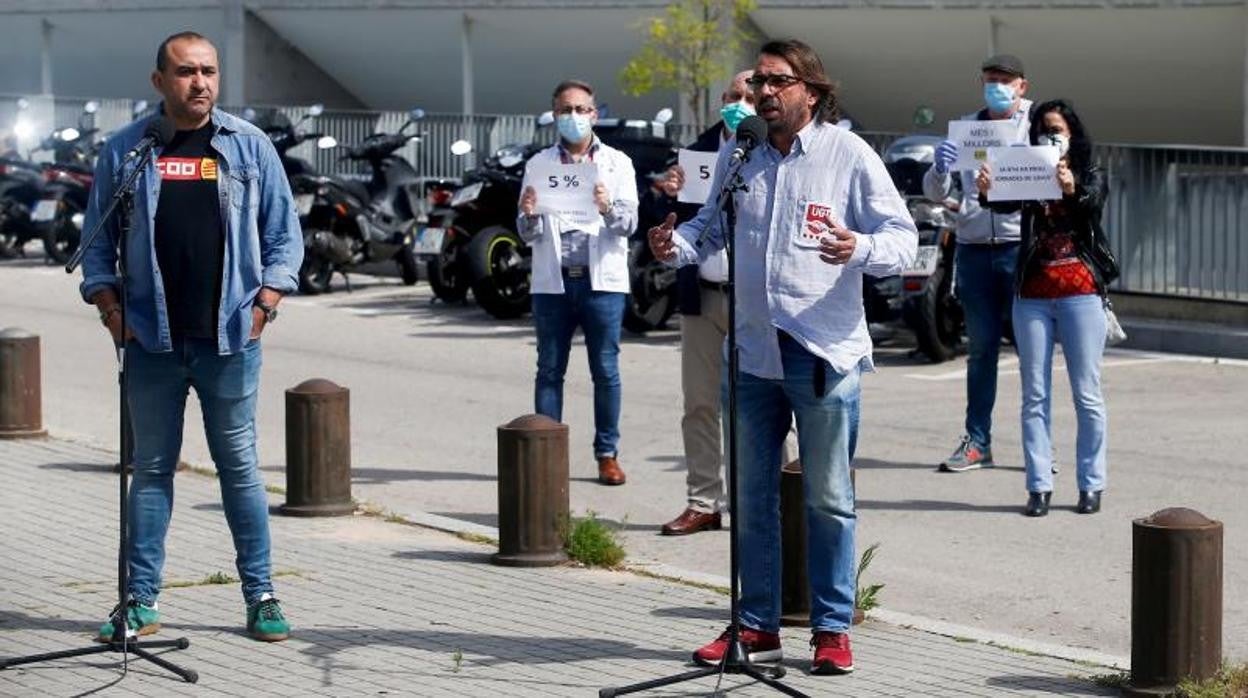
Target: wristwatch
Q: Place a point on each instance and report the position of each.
(270, 313)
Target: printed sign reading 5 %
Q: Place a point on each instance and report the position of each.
(570, 181)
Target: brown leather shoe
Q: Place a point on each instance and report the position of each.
(609, 471)
(692, 521)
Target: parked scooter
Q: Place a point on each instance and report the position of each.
(351, 222)
(929, 301)
(62, 204)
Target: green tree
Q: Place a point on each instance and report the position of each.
(692, 45)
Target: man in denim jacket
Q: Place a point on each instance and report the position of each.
(214, 244)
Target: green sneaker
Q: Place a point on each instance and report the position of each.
(265, 620)
(140, 620)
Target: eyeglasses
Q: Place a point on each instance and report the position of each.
(581, 109)
(779, 81)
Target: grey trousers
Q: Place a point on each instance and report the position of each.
(701, 367)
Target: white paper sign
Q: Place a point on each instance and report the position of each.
(699, 169)
(974, 138)
(1024, 173)
(567, 192)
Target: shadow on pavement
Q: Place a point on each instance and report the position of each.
(693, 612)
(874, 464)
(935, 505)
(378, 476)
(16, 620)
(79, 467)
(456, 556)
(479, 648)
(1050, 684)
(481, 519)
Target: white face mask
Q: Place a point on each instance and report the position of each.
(1056, 139)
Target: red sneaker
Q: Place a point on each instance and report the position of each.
(832, 653)
(759, 647)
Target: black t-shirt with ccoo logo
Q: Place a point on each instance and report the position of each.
(190, 237)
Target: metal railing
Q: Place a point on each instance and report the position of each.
(1176, 217)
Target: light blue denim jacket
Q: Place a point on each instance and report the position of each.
(263, 241)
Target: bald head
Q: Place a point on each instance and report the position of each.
(738, 90)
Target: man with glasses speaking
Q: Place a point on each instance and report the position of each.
(819, 211)
(577, 209)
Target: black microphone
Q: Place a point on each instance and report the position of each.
(159, 131)
(750, 132)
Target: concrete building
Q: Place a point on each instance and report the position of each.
(1168, 71)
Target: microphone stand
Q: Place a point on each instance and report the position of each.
(123, 640)
(736, 659)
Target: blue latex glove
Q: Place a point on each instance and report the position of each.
(946, 153)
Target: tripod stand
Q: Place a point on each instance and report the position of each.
(123, 640)
(736, 660)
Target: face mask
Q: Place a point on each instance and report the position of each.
(1060, 140)
(734, 113)
(574, 128)
(998, 96)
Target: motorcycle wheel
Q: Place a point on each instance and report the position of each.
(60, 240)
(938, 322)
(409, 268)
(651, 302)
(501, 279)
(446, 272)
(316, 274)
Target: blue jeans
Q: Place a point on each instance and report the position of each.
(985, 287)
(226, 387)
(1078, 322)
(826, 431)
(599, 314)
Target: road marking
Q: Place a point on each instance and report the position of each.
(1057, 366)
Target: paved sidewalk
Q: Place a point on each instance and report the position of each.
(381, 608)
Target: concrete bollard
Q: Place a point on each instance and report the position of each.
(794, 577)
(318, 450)
(1176, 601)
(21, 396)
(532, 492)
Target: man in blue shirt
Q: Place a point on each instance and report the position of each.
(819, 211)
(214, 245)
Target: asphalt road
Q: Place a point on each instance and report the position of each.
(430, 383)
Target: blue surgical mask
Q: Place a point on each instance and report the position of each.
(574, 128)
(734, 113)
(998, 96)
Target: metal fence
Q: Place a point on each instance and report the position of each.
(1176, 217)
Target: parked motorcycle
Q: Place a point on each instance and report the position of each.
(929, 300)
(437, 243)
(21, 182)
(480, 239)
(67, 179)
(479, 248)
(350, 222)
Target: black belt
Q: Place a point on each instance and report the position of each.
(712, 285)
(575, 272)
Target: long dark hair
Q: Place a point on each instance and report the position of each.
(807, 67)
(1080, 142)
